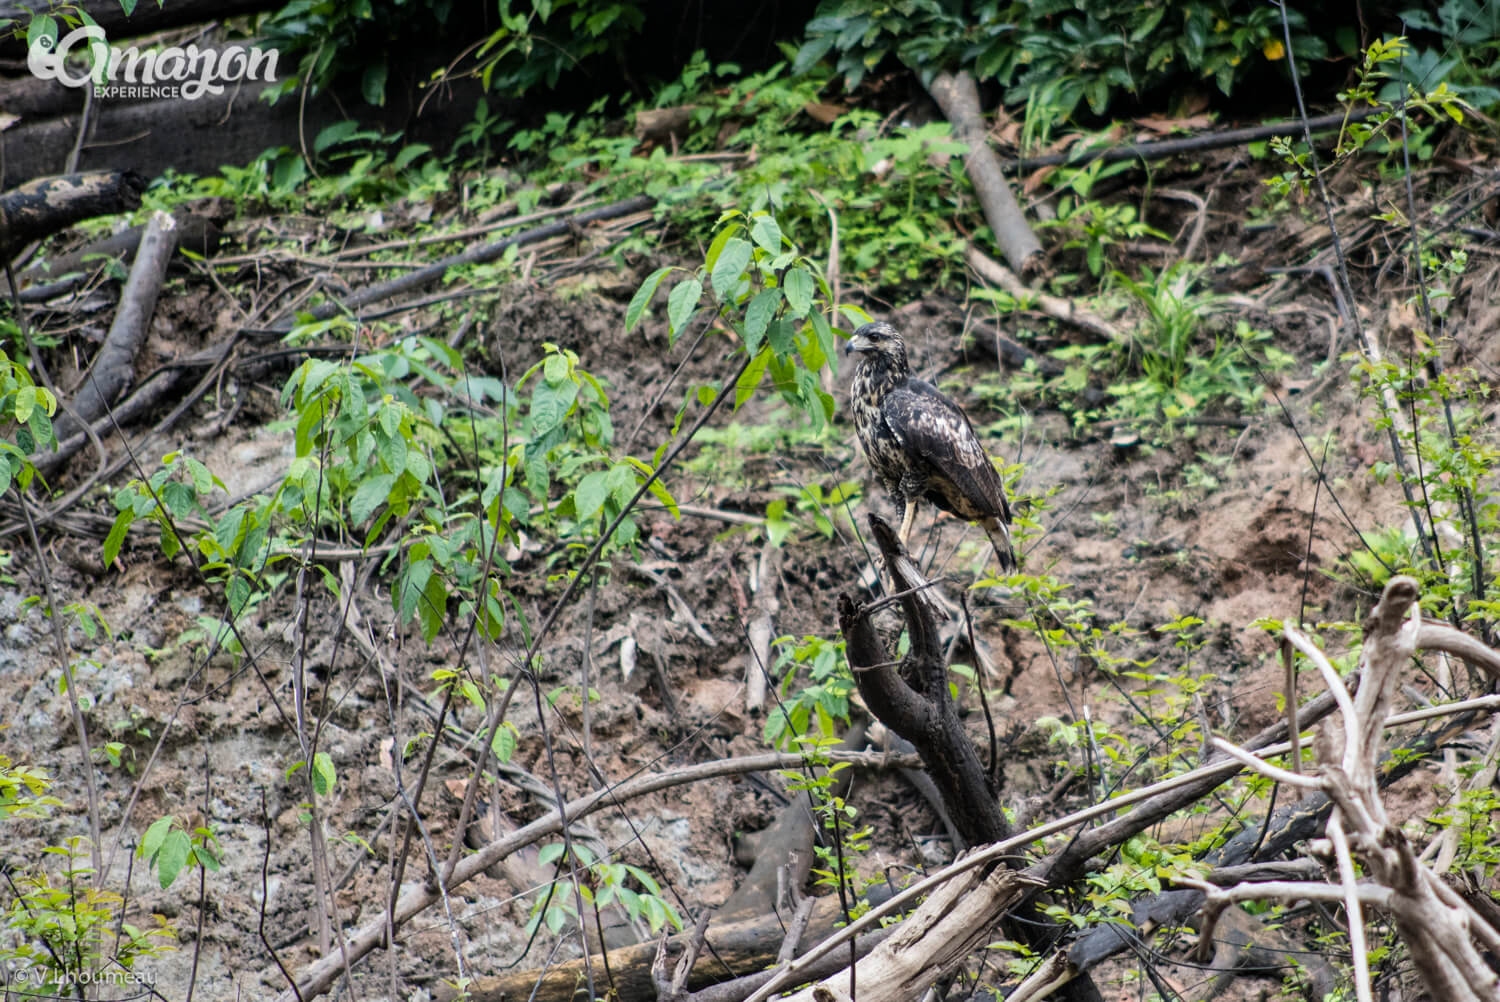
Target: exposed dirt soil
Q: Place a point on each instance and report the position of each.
(1132, 528)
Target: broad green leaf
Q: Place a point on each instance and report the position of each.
(116, 537)
(503, 744)
(372, 85)
(730, 266)
(681, 303)
(25, 402)
(750, 379)
(372, 493)
(783, 336)
(799, 285)
(203, 479)
(550, 405)
(207, 857)
(824, 332)
(717, 247)
(413, 584)
(155, 835)
(433, 607)
(42, 27)
(591, 494)
(766, 233)
(324, 778)
(758, 316)
(172, 857)
(642, 297)
(392, 452)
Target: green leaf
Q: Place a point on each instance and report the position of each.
(207, 857)
(116, 537)
(758, 316)
(824, 332)
(503, 744)
(25, 402)
(433, 607)
(172, 857)
(730, 266)
(372, 85)
(550, 405)
(681, 303)
(717, 247)
(372, 493)
(657, 488)
(42, 27)
(745, 388)
(591, 494)
(324, 778)
(642, 297)
(152, 840)
(783, 336)
(203, 479)
(766, 233)
(799, 285)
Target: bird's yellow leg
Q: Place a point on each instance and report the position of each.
(911, 516)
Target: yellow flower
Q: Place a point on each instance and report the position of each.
(1273, 49)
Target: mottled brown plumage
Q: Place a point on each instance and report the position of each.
(920, 443)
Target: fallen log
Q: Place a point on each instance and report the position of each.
(198, 231)
(732, 951)
(482, 254)
(50, 204)
(958, 96)
(110, 374)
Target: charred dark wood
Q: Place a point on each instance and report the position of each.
(45, 206)
(912, 698)
(1164, 148)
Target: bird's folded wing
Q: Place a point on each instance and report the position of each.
(933, 429)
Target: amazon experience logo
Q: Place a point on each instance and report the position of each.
(171, 72)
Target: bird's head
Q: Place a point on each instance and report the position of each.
(878, 338)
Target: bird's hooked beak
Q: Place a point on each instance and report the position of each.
(858, 343)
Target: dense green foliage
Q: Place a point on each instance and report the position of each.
(537, 41)
(1060, 52)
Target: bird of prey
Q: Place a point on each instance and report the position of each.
(920, 443)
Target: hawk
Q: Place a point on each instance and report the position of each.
(920, 443)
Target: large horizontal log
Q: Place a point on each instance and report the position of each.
(733, 950)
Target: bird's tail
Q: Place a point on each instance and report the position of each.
(999, 534)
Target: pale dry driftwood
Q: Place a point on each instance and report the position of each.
(1442, 932)
(958, 96)
(321, 975)
(731, 950)
(1056, 307)
(760, 630)
(942, 934)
